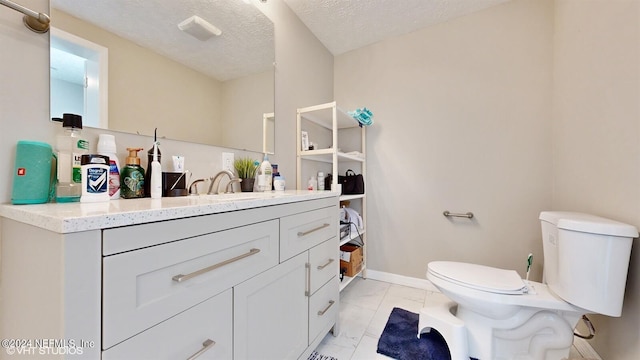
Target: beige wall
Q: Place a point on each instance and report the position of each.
(462, 123)
(596, 126)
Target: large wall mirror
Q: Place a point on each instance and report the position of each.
(211, 82)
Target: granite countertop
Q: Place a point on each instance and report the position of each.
(77, 217)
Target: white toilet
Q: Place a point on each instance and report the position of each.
(494, 314)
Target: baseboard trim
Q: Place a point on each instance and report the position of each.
(401, 280)
(583, 346)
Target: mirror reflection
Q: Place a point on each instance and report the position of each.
(138, 70)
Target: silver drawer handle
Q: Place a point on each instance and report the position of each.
(206, 345)
(304, 233)
(321, 312)
(320, 267)
(180, 277)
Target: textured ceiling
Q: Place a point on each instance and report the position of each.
(246, 43)
(245, 46)
(344, 25)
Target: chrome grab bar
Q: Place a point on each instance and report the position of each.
(206, 345)
(304, 233)
(181, 278)
(321, 312)
(468, 215)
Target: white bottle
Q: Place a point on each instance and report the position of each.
(312, 184)
(107, 147)
(265, 175)
(320, 180)
(70, 147)
(156, 174)
(95, 178)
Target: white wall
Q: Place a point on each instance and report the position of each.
(596, 125)
(462, 115)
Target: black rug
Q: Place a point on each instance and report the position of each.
(399, 339)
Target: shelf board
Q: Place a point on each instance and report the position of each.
(351, 197)
(348, 279)
(323, 115)
(326, 155)
(352, 237)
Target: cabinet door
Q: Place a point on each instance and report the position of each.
(204, 329)
(270, 313)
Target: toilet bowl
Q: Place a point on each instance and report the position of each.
(492, 313)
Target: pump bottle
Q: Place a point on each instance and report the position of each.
(264, 175)
(70, 146)
(132, 176)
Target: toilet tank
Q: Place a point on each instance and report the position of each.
(586, 259)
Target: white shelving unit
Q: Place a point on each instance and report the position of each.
(332, 118)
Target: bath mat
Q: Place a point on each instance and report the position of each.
(399, 339)
(315, 356)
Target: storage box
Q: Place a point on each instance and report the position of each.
(351, 259)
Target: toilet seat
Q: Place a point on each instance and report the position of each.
(479, 277)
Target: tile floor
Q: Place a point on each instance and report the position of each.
(365, 306)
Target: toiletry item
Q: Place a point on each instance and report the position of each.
(529, 263)
(70, 146)
(149, 173)
(264, 175)
(312, 184)
(279, 183)
(320, 180)
(178, 163)
(132, 176)
(107, 147)
(174, 183)
(274, 173)
(95, 178)
(34, 173)
(305, 140)
(156, 174)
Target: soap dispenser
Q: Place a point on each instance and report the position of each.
(132, 176)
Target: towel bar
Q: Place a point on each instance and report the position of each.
(468, 215)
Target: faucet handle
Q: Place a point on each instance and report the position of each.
(191, 187)
(229, 189)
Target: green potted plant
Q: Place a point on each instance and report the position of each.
(246, 169)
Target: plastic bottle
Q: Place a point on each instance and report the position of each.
(132, 176)
(95, 178)
(320, 180)
(107, 147)
(70, 146)
(149, 173)
(156, 174)
(312, 184)
(264, 175)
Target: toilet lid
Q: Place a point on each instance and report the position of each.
(479, 277)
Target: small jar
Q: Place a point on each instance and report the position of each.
(278, 183)
(320, 181)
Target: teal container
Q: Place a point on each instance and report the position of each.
(34, 173)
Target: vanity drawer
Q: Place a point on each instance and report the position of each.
(324, 260)
(303, 231)
(323, 308)
(144, 287)
(185, 334)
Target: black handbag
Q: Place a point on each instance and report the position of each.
(352, 183)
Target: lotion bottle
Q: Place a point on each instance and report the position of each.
(156, 174)
(264, 175)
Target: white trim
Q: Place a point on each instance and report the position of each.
(401, 280)
(585, 349)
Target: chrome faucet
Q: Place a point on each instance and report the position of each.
(215, 183)
(195, 184)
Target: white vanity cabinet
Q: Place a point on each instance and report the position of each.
(252, 283)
